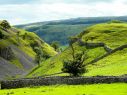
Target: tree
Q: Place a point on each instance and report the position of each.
(55, 45)
(5, 24)
(75, 67)
(1, 35)
(39, 55)
(24, 36)
(71, 41)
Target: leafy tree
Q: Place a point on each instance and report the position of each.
(24, 36)
(5, 24)
(46, 56)
(55, 45)
(1, 35)
(75, 67)
(39, 55)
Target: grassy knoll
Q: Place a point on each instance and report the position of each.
(94, 89)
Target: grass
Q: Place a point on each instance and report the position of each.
(54, 64)
(112, 34)
(17, 63)
(115, 64)
(94, 89)
(22, 43)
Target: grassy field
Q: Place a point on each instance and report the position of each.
(94, 89)
(112, 34)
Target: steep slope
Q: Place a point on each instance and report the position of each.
(17, 55)
(62, 29)
(106, 47)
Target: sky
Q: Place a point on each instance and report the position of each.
(29, 11)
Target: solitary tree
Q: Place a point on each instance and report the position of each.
(75, 67)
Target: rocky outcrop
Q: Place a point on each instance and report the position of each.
(6, 53)
(8, 70)
(26, 61)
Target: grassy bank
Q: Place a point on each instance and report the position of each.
(95, 89)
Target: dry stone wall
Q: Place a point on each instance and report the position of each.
(61, 80)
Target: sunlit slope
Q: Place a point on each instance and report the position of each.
(111, 35)
(16, 52)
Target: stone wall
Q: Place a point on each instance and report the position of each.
(108, 53)
(61, 80)
(94, 45)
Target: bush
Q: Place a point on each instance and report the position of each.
(75, 67)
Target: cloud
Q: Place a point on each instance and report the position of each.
(74, 1)
(50, 1)
(34, 12)
(5, 2)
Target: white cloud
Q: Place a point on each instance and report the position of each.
(50, 1)
(27, 13)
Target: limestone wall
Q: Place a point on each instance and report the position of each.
(61, 80)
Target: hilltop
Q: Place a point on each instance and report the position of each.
(17, 54)
(106, 47)
(60, 30)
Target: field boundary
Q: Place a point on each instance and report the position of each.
(19, 83)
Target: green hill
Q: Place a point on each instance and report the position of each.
(60, 30)
(17, 55)
(106, 46)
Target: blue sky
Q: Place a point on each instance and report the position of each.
(28, 11)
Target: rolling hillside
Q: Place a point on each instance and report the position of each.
(17, 55)
(106, 47)
(60, 30)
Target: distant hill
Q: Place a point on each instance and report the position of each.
(105, 45)
(17, 54)
(60, 30)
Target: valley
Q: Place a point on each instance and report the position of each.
(103, 48)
